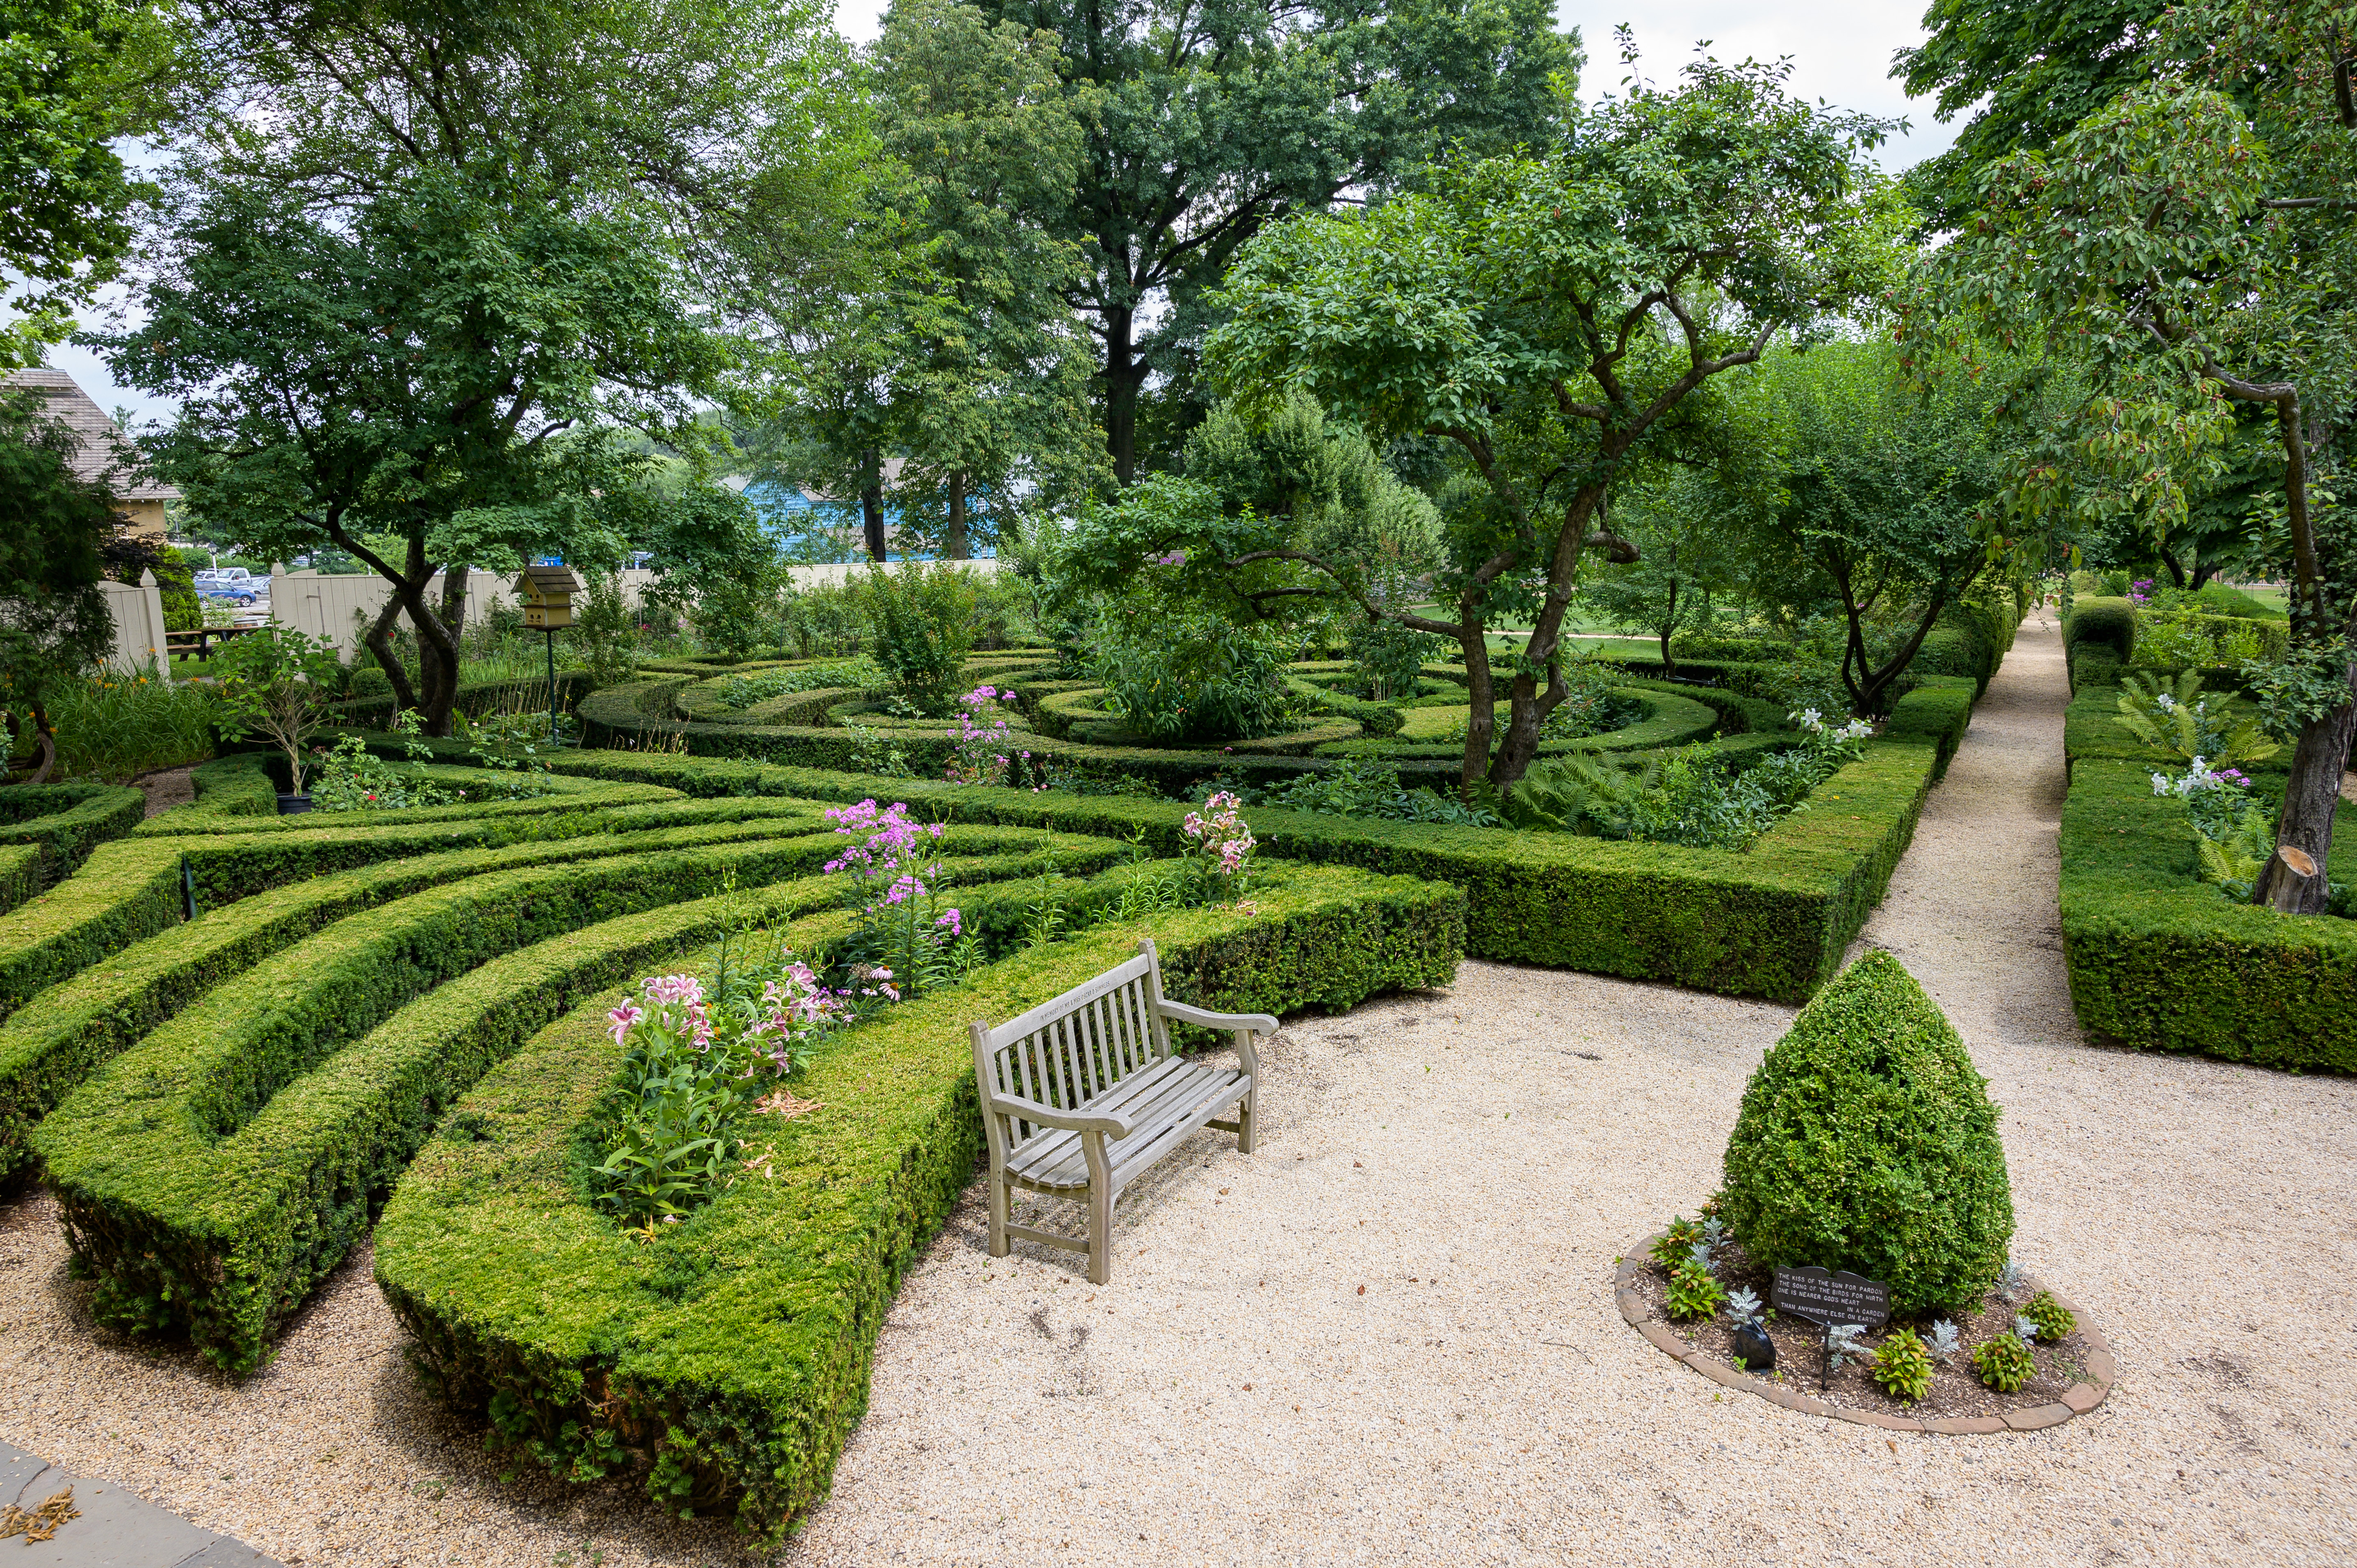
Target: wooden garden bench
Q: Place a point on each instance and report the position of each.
(1082, 1094)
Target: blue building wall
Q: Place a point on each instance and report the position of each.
(793, 518)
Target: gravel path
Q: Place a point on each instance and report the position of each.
(1389, 1336)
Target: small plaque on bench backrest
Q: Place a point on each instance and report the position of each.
(1824, 1296)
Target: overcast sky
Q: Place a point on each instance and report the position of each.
(1841, 52)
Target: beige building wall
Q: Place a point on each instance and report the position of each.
(343, 608)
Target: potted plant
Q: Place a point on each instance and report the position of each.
(275, 683)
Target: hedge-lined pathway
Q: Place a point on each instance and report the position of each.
(1232, 1397)
(1474, 1162)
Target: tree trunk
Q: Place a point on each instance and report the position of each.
(871, 503)
(2176, 568)
(2311, 793)
(2202, 574)
(1669, 626)
(954, 545)
(1123, 377)
(378, 641)
(1473, 638)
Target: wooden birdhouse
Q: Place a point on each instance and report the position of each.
(547, 594)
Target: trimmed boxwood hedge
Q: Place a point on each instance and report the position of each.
(63, 822)
(46, 1051)
(728, 1360)
(1866, 1142)
(1939, 714)
(558, 794)
(2160, 960)
(1670, 718)
(372, 706)
(1771, 922)
(20, 875)
(216, 1172)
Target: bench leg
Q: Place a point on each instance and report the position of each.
(999, 1195)
(1100, 1232)
(1245, 1120)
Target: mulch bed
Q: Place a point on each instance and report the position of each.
(2073, 1373)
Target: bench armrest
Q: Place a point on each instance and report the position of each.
(1256, 1023)
(1033, 1112)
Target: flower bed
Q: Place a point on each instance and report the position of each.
(2066, 1375)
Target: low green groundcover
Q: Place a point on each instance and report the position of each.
(726, 1361)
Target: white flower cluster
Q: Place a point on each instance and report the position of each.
(1814, 723)
(2198, 777)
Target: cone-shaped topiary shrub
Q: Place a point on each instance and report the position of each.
(1868, 1143)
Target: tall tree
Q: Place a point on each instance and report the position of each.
(419, 249)
(1553, 315)
(54, 623)
(2028, 70)
(74, 76)
(940, 337)
(2197, 253)
(1212, 120)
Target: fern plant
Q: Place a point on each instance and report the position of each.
(2176, 719)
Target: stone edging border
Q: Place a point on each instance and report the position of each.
(2077, 1400)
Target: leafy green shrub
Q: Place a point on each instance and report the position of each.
(2054, 1320)
(1903, 1367)
(744, 690)
(2005, 1363)
(921, 617)
(2106, 622)
(120, 723)
(1693, 1293)
(2173, 641)
(1358, 787)
(1866, 1142)
(1194, 676)
(1676, 1241)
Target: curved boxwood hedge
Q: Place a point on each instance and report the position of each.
(372, 706)
(213, 1174)
(727, 1361)
(1771, 922)
(63, 822)
(557, 794)
(2160, 960)
(20, 875)
(88, 1017)
(1668, 718)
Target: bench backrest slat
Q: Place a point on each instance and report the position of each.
(1067, 1052)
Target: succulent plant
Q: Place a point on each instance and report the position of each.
(1743, 1306)
(2054, 1319)
(1676, 1241)
(1844, 1342)
(2005, 1363)
(1693, 1294)
(1944, 1342)
(1903, 1367)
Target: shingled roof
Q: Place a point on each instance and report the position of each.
(69, 404)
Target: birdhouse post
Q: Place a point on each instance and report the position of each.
(547, 595)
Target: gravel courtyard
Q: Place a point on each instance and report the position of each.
(1389, 1335)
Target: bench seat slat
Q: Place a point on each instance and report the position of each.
(1178, 1100)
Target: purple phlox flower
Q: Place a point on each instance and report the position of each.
(1176, 558)
(953, 920)
(903, 889)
